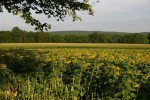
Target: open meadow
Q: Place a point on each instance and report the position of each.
(69, 71)
(82, 45)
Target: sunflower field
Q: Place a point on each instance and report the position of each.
(75, 74)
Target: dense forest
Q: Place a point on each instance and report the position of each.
(17, 35)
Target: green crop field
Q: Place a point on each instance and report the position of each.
(63, 71)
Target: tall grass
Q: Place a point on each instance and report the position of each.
(52, 45)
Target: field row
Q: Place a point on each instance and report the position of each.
(81, 45)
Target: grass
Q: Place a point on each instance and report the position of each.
(71, 45)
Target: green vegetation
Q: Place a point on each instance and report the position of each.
(19, 36)
(75, 74)
(87, 66)
(149, 37)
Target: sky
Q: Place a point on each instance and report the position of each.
(109, 15)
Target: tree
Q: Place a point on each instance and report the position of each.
(51, 8)
(39, 37)
(149, 37)
(134, 38)
(70, 38)
(57, 38)
(94, 37)
(5, 36)
(18, 35)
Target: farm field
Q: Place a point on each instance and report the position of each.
(74, 71)
(81, 45)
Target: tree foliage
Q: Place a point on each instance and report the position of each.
(18, 35)
(21, 36)
(134, 38)
(149, 37)
(94, 37)
(51, 8)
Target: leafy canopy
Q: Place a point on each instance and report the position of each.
(51, 8)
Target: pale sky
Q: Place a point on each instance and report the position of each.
(110, 15)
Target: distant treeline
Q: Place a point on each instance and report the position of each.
(20, 36)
